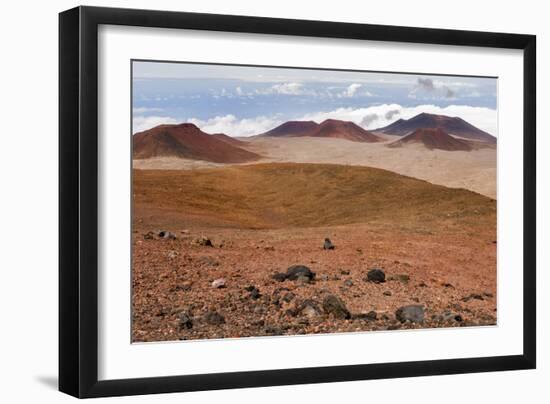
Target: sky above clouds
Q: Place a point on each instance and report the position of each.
(246, 101)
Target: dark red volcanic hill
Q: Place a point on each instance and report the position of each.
(293, 128)
(452, 125)
(344, 130)
(187, 141)
(331, 128)
(433, 139)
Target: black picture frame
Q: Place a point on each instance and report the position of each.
(78, 201)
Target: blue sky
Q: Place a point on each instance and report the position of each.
(245, 101)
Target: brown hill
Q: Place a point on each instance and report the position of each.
(344, 130)
(187, 141)
(433, 139)
(452, 125)
(278, 195)
(330, 128)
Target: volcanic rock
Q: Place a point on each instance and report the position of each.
(254, 292)
(334, 306)
(327, 245)
(203, 241)
(296, 271)
(309, 308)
(376, 275)
(214, 318)
(185, 321)
(167, 235)
(413, 313)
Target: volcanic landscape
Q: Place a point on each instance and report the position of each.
(313, 228)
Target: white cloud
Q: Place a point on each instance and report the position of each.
(232, 126)
(141, 123)
(351, 90)
(481, 117)
(287, 88)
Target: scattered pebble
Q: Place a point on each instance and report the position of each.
(203, 241)
(167, 235)
(218, 283)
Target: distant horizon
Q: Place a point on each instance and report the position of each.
(242, 101)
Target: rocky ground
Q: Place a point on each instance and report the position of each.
(206, 282)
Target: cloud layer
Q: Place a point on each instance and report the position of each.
(141, 123)
(368, 117)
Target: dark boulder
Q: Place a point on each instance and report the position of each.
(254, 292)
(371, 315)
(186, 321)
(296, 271)
(334, 306)
(309, 308)
(413, 313)
(327, 245)
(376, 275)
(214, 318)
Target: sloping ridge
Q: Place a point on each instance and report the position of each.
(433, 139)
(453, 125)
(330, 128)
(228, 139)
(187, 141)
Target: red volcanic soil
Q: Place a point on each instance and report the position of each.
(331, 128)
(187, 141)
(293, 128)
(434, 139)
(438, 250)
(453, 125)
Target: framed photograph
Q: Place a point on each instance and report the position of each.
(251, 201)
